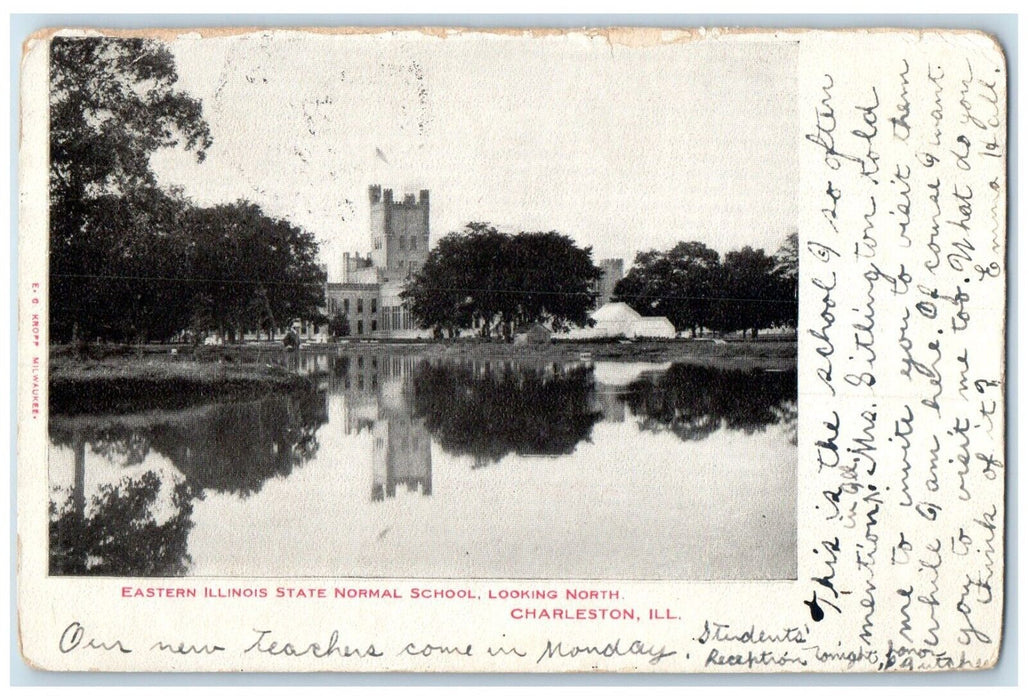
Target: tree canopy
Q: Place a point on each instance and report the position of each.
(113, 246)
(695, 288)
(251, 271)
(679, 284)
(481, 277)
(130, 260)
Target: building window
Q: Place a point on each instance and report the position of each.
(360, 327)
(413, 242)
(374, 325)
(346, 306)
(360, 305)
(403, 242)
(374, 305)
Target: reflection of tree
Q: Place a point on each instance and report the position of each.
(232, 448)
(238, 447)
(119, 535)
(490, 414)
(694, 401)
(114, 444)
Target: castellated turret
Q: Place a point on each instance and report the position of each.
(399, 232)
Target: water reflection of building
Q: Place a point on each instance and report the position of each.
(378, 394)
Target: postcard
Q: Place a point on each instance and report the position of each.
(613, 350)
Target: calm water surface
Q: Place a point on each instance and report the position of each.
(407, 467)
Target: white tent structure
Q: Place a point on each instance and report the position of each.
(619, 319)
(653, 327)
(615, 318)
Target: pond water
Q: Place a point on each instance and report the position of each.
(405, 467)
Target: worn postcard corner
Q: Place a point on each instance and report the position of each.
(615, 350)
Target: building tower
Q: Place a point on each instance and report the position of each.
(613, 270)
(399, 232)
(402, 454)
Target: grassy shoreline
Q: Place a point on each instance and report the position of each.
(771, 354)
(774, 349)
(126, 383)
(161, 376)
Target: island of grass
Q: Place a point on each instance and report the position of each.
(125, 383)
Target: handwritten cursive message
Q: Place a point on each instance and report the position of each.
(903, 266)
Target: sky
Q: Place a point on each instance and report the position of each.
(625, 148)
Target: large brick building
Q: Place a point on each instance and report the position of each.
(368, 290)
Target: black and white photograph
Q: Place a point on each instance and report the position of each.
(535, 350)
(361, 306)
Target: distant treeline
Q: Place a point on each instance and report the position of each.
(495, 282)
(695, 288)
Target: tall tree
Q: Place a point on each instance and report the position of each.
(748, 292)
(554, 280)
(497, 281)
(439, 294)
(131, 266)
(252, 272)
(112, 105)
(679, 284)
